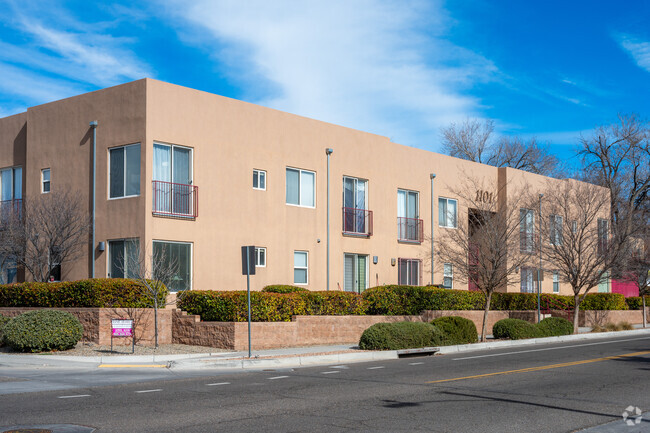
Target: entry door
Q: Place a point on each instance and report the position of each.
(355, 273)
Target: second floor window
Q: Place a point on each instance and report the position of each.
(45, 180)
(556, 230)
(603, 233)
(526, 230)
(409, 226)
(259, 179)
(124, 171)
(447, 212)
(260, 257)
(301, 187)
(556, 282)
(11, 184)
(356, 219)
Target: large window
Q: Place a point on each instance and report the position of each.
(356, 219)
(45, 180)
(11, 184)
(259, 179)
(260, 257)
(409, 226)
(528, 280)
(603, 229)
(301, 187)
(526, 230)
(123, 258)
(355, 272)
(447, 212)
(408, 271)
(300, 267)
(448, 276)
(124, 171)
(557, 236)
(176, 256)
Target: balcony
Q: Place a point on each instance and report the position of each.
(11, 209)
(410, 230)
(175, 200)
(357, 222)
(528, 242)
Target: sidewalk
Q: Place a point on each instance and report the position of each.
(279, 358)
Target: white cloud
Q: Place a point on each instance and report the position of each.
(375, 65)
(638, 49)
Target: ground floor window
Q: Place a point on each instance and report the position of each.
(448, 276)
(300, 267)
(408, 271)
(603, 285)
(176, 256)
(124, 258)
(260, 257)
(355, 272)
(528, 280)
(556, 282)
(8, 271)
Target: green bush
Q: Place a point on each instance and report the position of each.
(555, 326)
(515, 329)
(400, 335)
(456, 330)
(43, 330)
(603, 301)
(279, 288)
(91, 293)
(333, 303)
(3, 321)
(636, 302)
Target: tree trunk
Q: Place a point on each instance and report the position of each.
(155, 323)
(488, 298)
(645, 320)
(576, 313)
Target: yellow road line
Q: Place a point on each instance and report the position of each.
(543, 367)
(133, 366)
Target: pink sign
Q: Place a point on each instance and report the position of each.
(121, 328)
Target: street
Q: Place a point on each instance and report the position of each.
(541, 388)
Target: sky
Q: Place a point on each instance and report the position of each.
(404, 69)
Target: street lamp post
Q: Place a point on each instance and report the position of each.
(539, 270)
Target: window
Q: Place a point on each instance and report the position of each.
(124, 171)
(8, 270)
(259, 179)
(54, 264)
(555, 225)
(528, 281)
(11, 184)
(603, 284)
(556, 282)
(260, 257)
(448, 276)
(355, 272)
(408, 271)
(178, 257)
(300, 267)
(602, 236)
(526, 230)
(574, 227)
(173, 193)
(45, 180)
(356, 219)
(123, 258)
(447, 212)
(409, 227)
(301, 187)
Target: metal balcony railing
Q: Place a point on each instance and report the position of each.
(528, 242)
(10, 209)
(357, 221)
(175, 199)
(410, 230)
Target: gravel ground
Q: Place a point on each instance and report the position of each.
(90, 349)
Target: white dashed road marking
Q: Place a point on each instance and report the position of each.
(217, 384)
(342, 367)
(330, 372)
(375, 368)
(278, 377)
(416, 363)
(148, 390)
(74, 396)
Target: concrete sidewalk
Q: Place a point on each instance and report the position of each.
(279, 358)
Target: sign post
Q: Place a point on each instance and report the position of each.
(248, 259)
(122, 328)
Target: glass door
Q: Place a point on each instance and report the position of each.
(172, 176)
(354, 204)
(355, 273)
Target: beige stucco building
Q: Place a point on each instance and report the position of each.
(200, 175)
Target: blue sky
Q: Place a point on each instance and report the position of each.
(403, 69)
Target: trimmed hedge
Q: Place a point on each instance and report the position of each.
(515, 329)
(3, 321)
(400, 335)
(456, 330)
(636, 303)
(90, 293)
(555, 326)
(43, 330)
(279, 288)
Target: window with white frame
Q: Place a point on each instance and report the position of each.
(123, 258)
(45, 180)
(124, 171)
(409, 226)
(300, 267)
(556, 282)
(408, 271)
(555, 230)
(447, 212)
(301, 187)
(259, 179)
(11, 184)
(528, 281)
(448, 276)
(175, 256)
(260, 257)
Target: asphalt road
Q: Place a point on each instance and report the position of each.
(549, 388)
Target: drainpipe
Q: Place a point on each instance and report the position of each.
(328, 152)
(433, 176)
(93, 125)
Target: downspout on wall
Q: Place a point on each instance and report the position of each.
(93, 125)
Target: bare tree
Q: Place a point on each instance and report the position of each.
(155, 273)
(485, 249)
(637, 268)
(575, 237)
(52, 231)
(473, 140)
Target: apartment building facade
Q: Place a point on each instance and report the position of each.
(198, 175)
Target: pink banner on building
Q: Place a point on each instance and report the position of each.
(625, 288)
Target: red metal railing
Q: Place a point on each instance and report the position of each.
(11, 209)
(175, 199)
(410, 229)
(549, 304)
(357, 221)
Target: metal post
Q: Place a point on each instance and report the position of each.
(539, 270)
(248, 290)
(93, 125)
(328, 152)
(433, 176)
